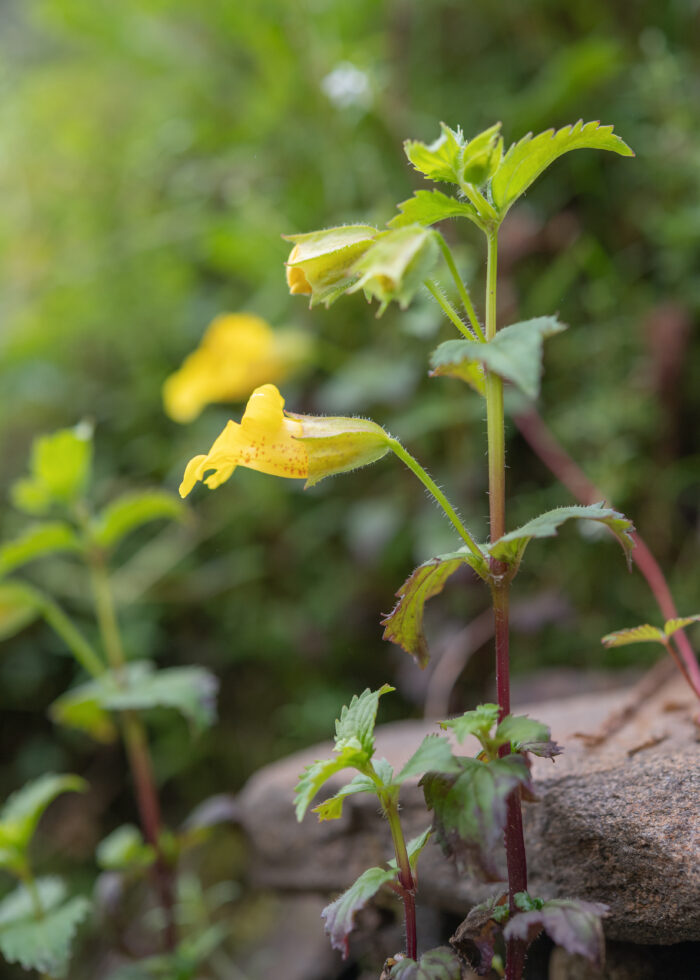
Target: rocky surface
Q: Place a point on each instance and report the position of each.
(617, 821)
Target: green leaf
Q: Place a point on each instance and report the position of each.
(527, 159)
(355, 727)
(133, 510)
(478, 722)
(510, 547)
(125, 850)
(437, 964)
(428, 207)
(48, 538)
(60, 466)
(526, 735)
(23, 810)
(646, 633)
(314, 776)
(434, 754)
(439, 160)
(404, 624)
(40, 944)
(189, 690)
(414, 848)
(18, 608)
(339, 915)
(332, 808)
(572, 924)
(515, 353)
(671, 625)
(396, 265)
(470, 809)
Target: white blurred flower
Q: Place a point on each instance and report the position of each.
(347, 86)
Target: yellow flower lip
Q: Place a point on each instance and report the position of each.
(279, 443)
(238, 352)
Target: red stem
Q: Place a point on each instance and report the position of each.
(568, 472)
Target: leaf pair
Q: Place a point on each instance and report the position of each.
(404, 625)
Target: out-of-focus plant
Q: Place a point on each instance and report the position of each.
(111, 698)
(475, 801)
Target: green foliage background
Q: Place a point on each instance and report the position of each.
(152, 152)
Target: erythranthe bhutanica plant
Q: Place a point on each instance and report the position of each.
(475, 802)
(109, 701)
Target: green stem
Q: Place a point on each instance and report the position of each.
(486, 211)
(432, 487)
(408, 886)
(30, 884)
(83, 652)
(500, 587)
(448, 309)
(461, 288)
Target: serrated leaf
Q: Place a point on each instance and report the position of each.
(439, 160)
(671, 625)
(572, 924)
(646, 633)
(511, 546)
(434, 754)
(18, 608)
(48, 538)
(528, 158)
(515, 353)
(332, 808)
(476, 936)
(478, 722)
(356, 723)
(437, 964)
(470, 810)
(472, 373)
(42, 944)
(189, 690)
(315, 775)
(526, 735)
(23, 810)
(428, 207)
(339, 916)
(133, 510)
(125, 850)
(404, 624)
(60, 469)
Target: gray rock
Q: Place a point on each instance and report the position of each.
(617, 822)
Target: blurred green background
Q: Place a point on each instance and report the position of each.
(152, 152)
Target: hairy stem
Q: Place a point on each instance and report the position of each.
(461, 288)
(136, 744)
(408, 887)
(435, 491)
(448, 309)
(514, 841)
(568, 472)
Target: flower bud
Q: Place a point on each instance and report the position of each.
(396, 266)
(320, 264)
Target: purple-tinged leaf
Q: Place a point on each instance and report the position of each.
(404, 625)
(437, 964)
(339, 916)
(572, 924)
(475, 939)
(527, 735)
(470, 810)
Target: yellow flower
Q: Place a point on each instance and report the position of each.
(273, 441)
(237, 353)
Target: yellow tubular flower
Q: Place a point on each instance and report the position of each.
(270, 440)
(321, 262)
(237, 353)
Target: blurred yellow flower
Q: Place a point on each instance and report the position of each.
(273, 441)
(238, 352)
